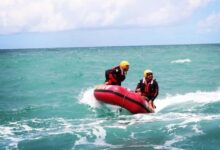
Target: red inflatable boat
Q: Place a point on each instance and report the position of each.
(117, 95)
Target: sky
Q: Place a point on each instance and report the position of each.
(91, 23)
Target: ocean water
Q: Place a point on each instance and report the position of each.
(47, 102)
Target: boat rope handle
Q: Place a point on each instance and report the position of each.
(124, 99)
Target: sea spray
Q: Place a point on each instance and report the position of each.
(87, 97)
(198, 97)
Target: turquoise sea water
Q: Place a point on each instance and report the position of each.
(47, 102)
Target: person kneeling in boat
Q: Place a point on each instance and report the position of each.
(117, 74)
(148, 87)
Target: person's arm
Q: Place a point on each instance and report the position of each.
(156, 90)
(138, 87)
(154, 95)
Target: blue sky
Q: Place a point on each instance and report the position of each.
(85, 23)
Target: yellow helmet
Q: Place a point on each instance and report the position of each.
(147, 72)
(124, 64)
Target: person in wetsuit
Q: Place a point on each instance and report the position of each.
(116, 75)
(148, 87)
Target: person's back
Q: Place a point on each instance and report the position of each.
(117, 74)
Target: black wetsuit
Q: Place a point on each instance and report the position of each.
(115, 76)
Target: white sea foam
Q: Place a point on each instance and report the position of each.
(5, 131)
(168, 144)
(196, 97)
(197, 129)
(197, 118)
(26, 127)
(87, 97)
(81, 141)
(100, 134)
(187, 60)
(187, 119)
(96, 131)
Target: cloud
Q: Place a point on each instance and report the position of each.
(211, 24)
(58, 15)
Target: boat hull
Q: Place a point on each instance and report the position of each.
(120, 96)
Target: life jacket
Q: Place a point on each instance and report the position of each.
(149, 89)
(116, 75)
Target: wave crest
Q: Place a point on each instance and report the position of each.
(195, 97)
(187, 60)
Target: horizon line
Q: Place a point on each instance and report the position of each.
(138, 45)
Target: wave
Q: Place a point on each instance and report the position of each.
(199, 97)
(87, 97)
(89, 132)
(187, 60)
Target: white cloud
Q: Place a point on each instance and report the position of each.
(56, 15)
(210, 24)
